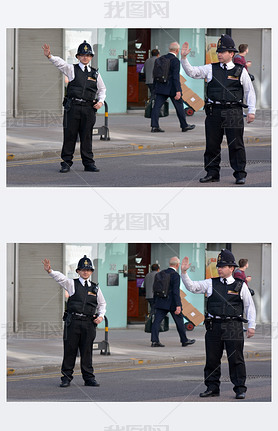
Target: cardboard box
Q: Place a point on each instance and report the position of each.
(190, 312)
(192, 99)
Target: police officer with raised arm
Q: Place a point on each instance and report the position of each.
(85, 95)
(228, 86)
(227, 301)
(86, 308)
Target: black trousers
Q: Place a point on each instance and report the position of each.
(178, 104)
(178, 319)
(228, 335)
(229, 121)
(79, 120)
(78, 334)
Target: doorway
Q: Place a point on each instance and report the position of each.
(139, 261)
(140, 258)
(139, 46)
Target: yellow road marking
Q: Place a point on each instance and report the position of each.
(114, 370)
(107, 370)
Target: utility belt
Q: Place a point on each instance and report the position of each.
(69, 101)
(78, 316)
(221, 319)
(210, 105)
(83, 101)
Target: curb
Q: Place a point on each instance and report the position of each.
(125, 148)
(24, 371)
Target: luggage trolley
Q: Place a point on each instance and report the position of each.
(192, 316)
(189, 111)
(192, 101)
(189, 326)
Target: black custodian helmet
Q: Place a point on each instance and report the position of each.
(85, 263)
(85, 48)
(226, 258)
(226, 43)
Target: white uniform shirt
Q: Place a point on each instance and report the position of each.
(68, 70)
(205, 72)
(68, 285)
(205, 286)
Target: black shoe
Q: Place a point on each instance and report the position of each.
(209, 393)
(157, 130)
(91, 383)
(209, 179)
(240, 396)
(188, 127)
(91, 168)
(65, 383)
(64, 169)
(240, 181)
(157, 345)
(188, 342)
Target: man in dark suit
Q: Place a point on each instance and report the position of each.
(172, 89)
(170, 304)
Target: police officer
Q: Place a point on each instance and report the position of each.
(227, 300)
(85, 95)
(85, 310)
(227, 85)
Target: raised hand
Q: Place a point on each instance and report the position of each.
(185, 50)
(46, 50)
(46, 264)
(185, 265)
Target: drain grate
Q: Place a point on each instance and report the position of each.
(249, 377)
(249, 162)
(194, 164)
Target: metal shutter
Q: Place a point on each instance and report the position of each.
(40, 298)
(39, 83)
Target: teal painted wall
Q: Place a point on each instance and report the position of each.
(111, 43)
(196, 39)
(196, 253)
(111, 258)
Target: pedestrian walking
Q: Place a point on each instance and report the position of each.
(86, 308)
(148, 70)
(243, 265)
(171, 88)
(172, 303)
(228, 84)
(240, 57)
(148, 285)
(227, 300)
(85, 95)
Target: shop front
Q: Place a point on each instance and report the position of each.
(119, 55)
(36, 303)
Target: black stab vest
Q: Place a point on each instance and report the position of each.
(83, 86)
(225, 85)
(84, 300)
(225, 300)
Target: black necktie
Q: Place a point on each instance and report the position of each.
(86, 69)
(86, 283)
(225, 280)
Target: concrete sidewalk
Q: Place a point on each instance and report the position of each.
(40, 136)
(128, 347)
